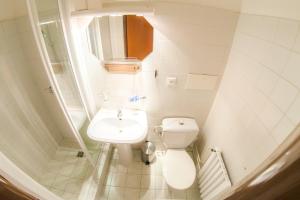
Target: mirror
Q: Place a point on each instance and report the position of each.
(120, 38)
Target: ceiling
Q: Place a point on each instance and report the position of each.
(234, 5)
(276, 8)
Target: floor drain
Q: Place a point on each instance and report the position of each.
(80, 154)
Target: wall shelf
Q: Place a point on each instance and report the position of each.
(122, 67)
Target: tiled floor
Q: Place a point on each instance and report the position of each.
(139, 181)
(67, 173)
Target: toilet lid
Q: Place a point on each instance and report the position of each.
(179, 169)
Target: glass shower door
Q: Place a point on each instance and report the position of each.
(62, 71)
(72, 170)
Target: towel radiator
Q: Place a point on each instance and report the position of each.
(213, 177)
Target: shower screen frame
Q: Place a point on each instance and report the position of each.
(35, 24)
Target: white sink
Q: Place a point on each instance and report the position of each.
(128, 129)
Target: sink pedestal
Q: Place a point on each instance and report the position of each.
(125, 154)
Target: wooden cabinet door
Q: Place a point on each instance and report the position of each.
(11, 192)
(139, 37)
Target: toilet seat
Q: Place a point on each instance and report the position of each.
(179, 169)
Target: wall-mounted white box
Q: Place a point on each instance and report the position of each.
(201, 82)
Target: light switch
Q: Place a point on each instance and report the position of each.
(171, 81)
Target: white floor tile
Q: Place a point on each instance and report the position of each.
(56, 191)
(113, 168)
(60, 182)
(74, 186)
(133, 180)
(121, 168)
(147, 194)
(179, 194)
(148, 182)
(135, 168)
(116, 193)
(163, 194)
(67, 169)
(118, 180)
(66, 174)
(144, 182)
(193, 194)
(108, 179)
(160, 183)
(148, 169)
(80, 171)
(131, 194)
(69, 196)
(137, 156)
(104, 193)
(48, 179)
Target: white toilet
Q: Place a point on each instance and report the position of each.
(178, 167)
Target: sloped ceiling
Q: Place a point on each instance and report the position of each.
(278, 8)
(234, 5)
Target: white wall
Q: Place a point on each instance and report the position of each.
(86, 4)
(96, 77)
(258, 103)
(285, 9)
(187, 39)
(12, 9)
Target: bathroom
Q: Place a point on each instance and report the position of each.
(209, 108)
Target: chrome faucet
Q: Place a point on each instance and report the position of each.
(120, 114)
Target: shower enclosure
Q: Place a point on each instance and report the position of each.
(43, 116)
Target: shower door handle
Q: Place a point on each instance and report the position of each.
(49, 90)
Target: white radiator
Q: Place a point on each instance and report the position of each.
(213, 177)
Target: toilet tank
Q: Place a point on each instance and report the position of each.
(178, 133)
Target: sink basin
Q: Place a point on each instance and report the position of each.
(123, 131)
(130, 129)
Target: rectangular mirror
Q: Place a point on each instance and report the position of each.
(120, 39)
